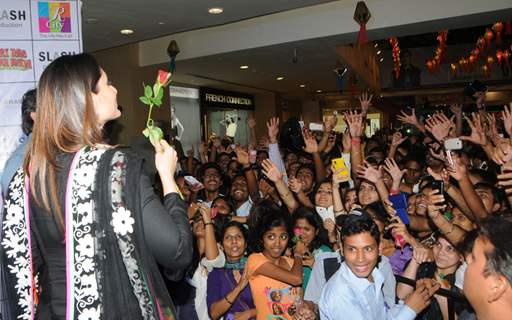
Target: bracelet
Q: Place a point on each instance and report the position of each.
(226, 298)
(209, 223)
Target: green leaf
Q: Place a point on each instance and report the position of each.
(156, 89)
(148, 92)
(144, 100)
(155, 134)
(157, 102)
(145, 132)
(159, 95)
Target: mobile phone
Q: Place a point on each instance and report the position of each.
(193, 182)
(399, 202)
(339, 164)
(438, 185)
(316, 126)
(449, 157)
(453, 144)
(325, 213)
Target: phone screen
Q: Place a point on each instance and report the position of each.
(399, 202)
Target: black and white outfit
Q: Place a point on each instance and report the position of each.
(101, 263)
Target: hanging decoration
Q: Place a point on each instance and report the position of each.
(172, 51)
(498, 28)
(362, 15)
(508, 28)
(395, 49)
(489, 35)
(439, 53)
(506, 57)
(340, 71)
(499, 56)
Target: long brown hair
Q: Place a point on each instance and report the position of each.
(65, 122)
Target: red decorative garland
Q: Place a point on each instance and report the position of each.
(395, 49)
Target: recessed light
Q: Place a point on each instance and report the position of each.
(302, 85)
(280, 78)
(126, 31)
(215, 10)
(319, 91)
(161, 23)
(381, 59)
(376, 44)
(379, 52)
(244, 67)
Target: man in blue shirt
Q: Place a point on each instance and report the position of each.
(355, 291)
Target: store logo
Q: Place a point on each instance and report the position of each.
(13, 15)
(54, 17)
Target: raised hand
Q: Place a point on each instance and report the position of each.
(440, 126)
(506, 114)
(409, 119)
(457, 169)
(310, 141)
(394, 171)
(365, 101)
(398, 228)
(444, 176)
(397, 139)
(420, 298)
(439, 154)
(456, 108)
(435, 203)
(166, 159)
(270, 170)
(355, 123)
(295, 185)
(368, 172)
(251, 122)
(502, 153)
(273, 129)
(242, 156)
(477, 131)
(346, 142)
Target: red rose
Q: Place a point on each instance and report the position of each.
(163, 77)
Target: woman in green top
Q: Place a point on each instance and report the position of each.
(309, 229)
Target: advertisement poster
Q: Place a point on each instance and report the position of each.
(32, 34)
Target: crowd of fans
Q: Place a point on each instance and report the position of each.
(282, 233)
(414, 224)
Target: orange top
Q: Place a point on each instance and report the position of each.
(273, 299)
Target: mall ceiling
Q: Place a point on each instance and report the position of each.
(103, 19)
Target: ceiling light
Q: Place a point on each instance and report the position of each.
(161, 23)
(381, 59)
(126, 31)
(319, 91)
(302, 85)
(379, 52)
(280, 78)
(215, 10)
(244, 67)
(376, 44)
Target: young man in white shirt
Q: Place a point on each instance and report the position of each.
(355, 291)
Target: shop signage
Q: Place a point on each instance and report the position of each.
(214, 98)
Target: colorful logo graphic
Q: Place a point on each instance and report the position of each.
(54, 17)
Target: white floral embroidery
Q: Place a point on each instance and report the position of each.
(87, 302)
(89, 314)
(15, 243)
(124, 239)
(122, 221)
